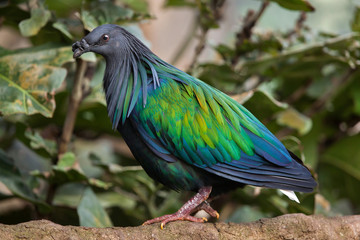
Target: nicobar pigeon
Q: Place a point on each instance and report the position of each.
(186, 134)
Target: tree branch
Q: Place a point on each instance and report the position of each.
(81, 88)
(335, 85)
(298, 25)
(291, 226)
(320, 103)
(215, 11)
(198, 49)
(74, 103)
(296, 95)
(246, 31)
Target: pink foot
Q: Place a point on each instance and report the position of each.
(194, 204)
(207, 208)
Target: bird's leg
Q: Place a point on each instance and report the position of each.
(207, 208)
(184, 212)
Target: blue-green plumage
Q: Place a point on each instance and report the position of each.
(179, 127)
(185, 133)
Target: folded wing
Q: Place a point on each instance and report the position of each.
(205, 128)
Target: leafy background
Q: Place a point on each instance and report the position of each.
(60, 160)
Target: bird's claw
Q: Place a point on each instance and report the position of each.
(195, 204)
(208, 209)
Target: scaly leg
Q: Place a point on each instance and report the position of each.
(184, 212)
(207, 208)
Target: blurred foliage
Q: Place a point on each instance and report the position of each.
(303, 85)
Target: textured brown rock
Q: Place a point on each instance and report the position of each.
(291, 226)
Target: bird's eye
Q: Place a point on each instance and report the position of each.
(105, 37)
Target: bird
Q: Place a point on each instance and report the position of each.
(186, 134)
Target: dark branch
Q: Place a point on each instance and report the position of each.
(74, 103)
(198, 49)
(336, 83)
(298, 26)
(299, 92)
(320, 103)
(215, 11)
(246, 31)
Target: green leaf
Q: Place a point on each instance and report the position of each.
(61, 176)
(299, 61)
(355, 93)
(119, 199)
(106, 12)
(69, 194)
(268, 107)
(180, 3)
(96, 96)
(339, 170)
(310, 141)
(98, 183)
(66, 161)
(97, 93)
(31, 26)
(89, 57)
(345, 155)
(91, 213)
(62, 28)
(299, 5)
(294, 145)
(30, 79)
(88, 20)
(220, 76)
(138, 5)
(355, 26)
(38, 142)
(17, 184)
(67, 170)
(207, 16)
(292, 118)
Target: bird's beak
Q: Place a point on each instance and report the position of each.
(80, 47)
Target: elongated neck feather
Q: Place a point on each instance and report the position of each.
(128, 74)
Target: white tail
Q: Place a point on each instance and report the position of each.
(290, 194)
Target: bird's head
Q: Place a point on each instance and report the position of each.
(106, 40)
(127, 62)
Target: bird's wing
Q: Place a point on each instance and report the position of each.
(205, 128)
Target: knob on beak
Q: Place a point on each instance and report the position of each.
(80, 47)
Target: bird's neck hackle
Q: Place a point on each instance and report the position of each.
(128, 75)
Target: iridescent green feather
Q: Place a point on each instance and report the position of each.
(196, 122)
(127, 98)
(194, 119)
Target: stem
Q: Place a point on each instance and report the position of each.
(319, 104)
(216, 14)
(245, 33)
(299, 92)
(336, 84)
(298, 26)
(198, 49)
(74, 102)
